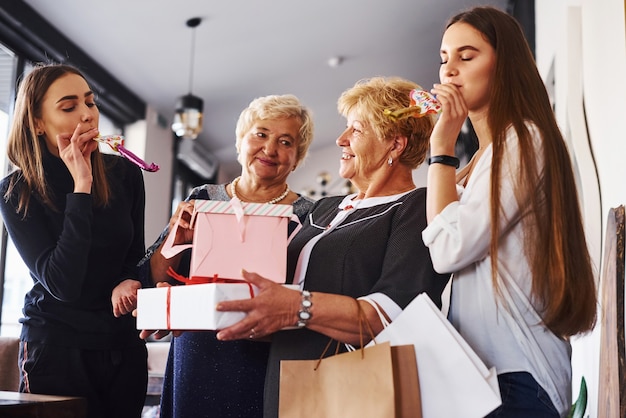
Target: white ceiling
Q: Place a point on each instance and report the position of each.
(250, 48)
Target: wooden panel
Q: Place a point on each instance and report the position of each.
(612, 384)
(9, 370)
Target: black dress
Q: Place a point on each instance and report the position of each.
(374, 248)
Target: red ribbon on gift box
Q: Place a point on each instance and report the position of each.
(205, 280)
(167, 307)
(198, 280)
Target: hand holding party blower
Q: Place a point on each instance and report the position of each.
(422, 104)
(116, 142)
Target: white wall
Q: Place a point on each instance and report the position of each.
(599, 73)
(604, 77)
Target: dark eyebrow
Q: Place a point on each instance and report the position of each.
(74, 97)
(461, 49)
(467, 47)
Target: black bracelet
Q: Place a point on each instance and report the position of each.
(445, 160)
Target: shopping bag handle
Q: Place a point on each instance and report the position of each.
(170, 249)
(381, 316)
(362, 320)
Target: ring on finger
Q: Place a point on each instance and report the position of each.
(252, 333)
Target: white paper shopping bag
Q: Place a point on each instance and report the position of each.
(454, 382)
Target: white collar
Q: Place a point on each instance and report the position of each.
(349, 202)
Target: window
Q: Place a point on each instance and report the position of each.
(10, 283)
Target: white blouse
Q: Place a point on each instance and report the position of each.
(506, 332)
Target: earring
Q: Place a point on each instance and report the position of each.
(390, 162)
(39, 133)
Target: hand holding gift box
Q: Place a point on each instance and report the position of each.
(190, 307)
(228, 236)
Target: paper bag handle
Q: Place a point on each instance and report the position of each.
(383, 319)
(169, 249)
(350, 347)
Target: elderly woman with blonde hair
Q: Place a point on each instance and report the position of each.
(352, 251)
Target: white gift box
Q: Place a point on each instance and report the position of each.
(189, 307)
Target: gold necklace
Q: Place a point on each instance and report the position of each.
(233, 191)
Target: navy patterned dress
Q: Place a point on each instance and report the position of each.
(206, 377)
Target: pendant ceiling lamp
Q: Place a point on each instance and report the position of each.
(188, 118)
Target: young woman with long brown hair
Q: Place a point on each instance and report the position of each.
(76, 217)
(508, 225)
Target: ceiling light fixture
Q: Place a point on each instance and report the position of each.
(334, 62)
(188, 118)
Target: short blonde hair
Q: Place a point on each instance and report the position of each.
(372, 96)
(277, 107)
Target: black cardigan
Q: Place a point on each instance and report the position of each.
(376, 249)
(77, 255)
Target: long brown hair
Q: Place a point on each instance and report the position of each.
(563, 280)
(25, 149)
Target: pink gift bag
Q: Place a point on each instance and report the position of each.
(232, 235)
